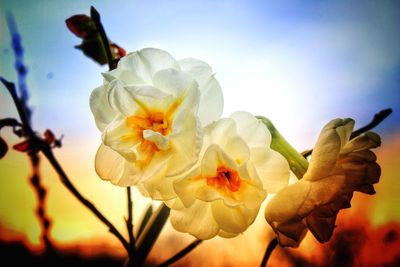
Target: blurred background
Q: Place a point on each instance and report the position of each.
(299, 63)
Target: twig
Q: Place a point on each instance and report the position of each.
(21, 69)
(129, 226)
(41, 194)
(181, 253)
(376, 120)
(35, 178)
(48, 153)
(271, 246)
(97, 21)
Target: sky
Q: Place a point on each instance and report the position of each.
(299, 63)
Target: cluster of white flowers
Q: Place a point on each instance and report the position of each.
(162, 132)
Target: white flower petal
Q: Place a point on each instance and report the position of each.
(174, 82)
(237, 149)
(110, 165)
(126, 76)
(160, 140)
(189, 104)
(272, 168)
(137, 99)
(211, 102)
(198, 69)
(220, 132)
(186, 187)
(118, 135)
(213, 158)
(101, 109)
(224, 234)
(185, 144)
(146, 62)
(196, 220)
(252, 130)
(232, 220)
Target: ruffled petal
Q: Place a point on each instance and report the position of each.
(252, 130)
(137, 99)
(198, 69)
(224, 234)
(111, 166)
(272, 168)
(101, 109)
(196, 220)
(220, 132)
(119, 136)
(173, 82)
(185, 144)
(211, 100)
(213, 158)
(232, 219)
(146, 62)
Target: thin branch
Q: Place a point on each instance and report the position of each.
(271, 246)
(66, 181)
(94, 14)
(48, 153)
(376, 120)
(10, 122)
(41, 194)
(129, 225)
(21, 69)
(181, 253)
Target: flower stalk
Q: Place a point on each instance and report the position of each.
(298, 164)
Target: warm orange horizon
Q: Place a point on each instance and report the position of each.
(76, 229)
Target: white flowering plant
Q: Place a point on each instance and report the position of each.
(162, 132)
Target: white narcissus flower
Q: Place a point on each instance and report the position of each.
(150, 111)
(338, 167)
(221, 195)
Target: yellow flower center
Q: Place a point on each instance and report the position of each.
(225, 178)
(156, 121)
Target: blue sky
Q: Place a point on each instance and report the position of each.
(301, 63)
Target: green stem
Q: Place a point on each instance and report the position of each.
(298, 164)
(150, 233)
(129, 225)
(94, 14)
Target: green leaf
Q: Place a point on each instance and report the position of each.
(145, 219)
(151, 232)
